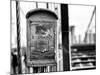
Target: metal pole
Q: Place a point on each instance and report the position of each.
(36, 4)
(65, 38)
(18, 36)
(47, 5)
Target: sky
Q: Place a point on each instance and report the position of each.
(79, 16)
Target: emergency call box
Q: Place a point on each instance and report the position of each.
(41, 37)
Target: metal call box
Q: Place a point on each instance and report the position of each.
(41, 37)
